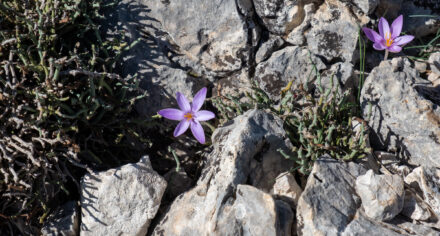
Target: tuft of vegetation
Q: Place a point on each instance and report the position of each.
(315, 125)
(64, 108)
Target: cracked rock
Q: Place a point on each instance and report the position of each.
(404, 112)
(329, 202)
(334, 32)
(121, 201)
(287, 189)
(213, 33)
(280, 16)
(220, 204)
(382, 195)
(268, 47)
(289, 64)
(427, 181)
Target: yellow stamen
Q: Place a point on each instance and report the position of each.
(188, 116)
(388, 39)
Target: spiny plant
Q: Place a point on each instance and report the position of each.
(315, 125)
(63, 107)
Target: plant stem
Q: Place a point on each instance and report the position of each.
(386, 55)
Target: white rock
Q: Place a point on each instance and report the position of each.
(286, 187)
(382, 195)
(288, 64)
(334, 32)
(402, 118)
(220, 204)
(427, 179)
(367, 6)
(413, 208)
(121, 201)
(434, 63)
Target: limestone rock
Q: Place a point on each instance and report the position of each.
(64, 222)
(413, 208)
(148, 59)
(257, 212)
(211, 33)
(280, 16)
(296, 36)
(287, 189)
(268, 47)
(344, 79)
(434, 63)
(121, 201)
(211, 207)
(362, 225)
(401, 117)
(427, 180)
(367, 6)
(289, 64)
(382, 195)
(334, 32)
(329, 202)
(235, 85)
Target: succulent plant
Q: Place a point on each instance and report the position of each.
(317, 122)
(64, 109)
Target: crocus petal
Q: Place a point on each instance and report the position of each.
(198, 100)
(394, 48)
(384, 27)
(172, 114)
(183, 102)
(379, 46)
(181, 127)
(396, 27)
(204, 115)
(372, 35)
(403, 40)
(197, 131)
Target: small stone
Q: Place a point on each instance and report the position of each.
(268, 47)
(121, 201)
(279, 16)
(328, 202)
(296, 36)
(65, 221)
(434, 63)
(334, 32)
(382, 195)
(288, 64)
(421, 67)
(413, 208)
(367, 6)
(287, 189)
(427, 181)
(258, 213)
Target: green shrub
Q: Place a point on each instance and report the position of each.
(315, 125)
(63, 107)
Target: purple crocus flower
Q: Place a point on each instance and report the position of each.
(388, 38)
(189, 115)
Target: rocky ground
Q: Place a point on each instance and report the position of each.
(245, 187)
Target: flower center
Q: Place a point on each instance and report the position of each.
(389, 40)
(188, 116)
